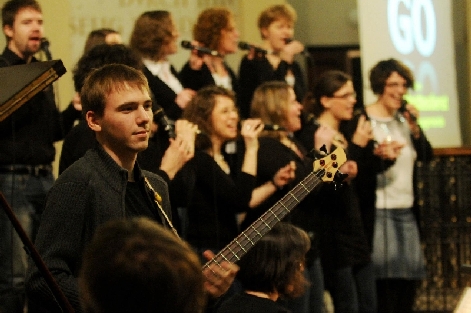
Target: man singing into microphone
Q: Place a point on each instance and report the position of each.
(276, 28)
(27, 151)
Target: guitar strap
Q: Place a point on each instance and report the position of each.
(158, 201)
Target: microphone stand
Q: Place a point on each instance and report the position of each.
(31, 250)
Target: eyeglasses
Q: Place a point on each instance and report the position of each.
(346, 96)
(397, 85)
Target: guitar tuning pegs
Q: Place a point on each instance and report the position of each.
(340, 176)
(323, 149)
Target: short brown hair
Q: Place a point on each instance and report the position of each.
(380, 73)
(209, 25)
(11, 8)
(152, 30)
(136, 265)
(105, 80)
(275, 13)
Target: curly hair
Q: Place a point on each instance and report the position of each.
(152, 30)
(380, 73)
(275, 13)
(209, 25)
(200, 109)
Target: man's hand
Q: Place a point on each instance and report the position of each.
(218, 278)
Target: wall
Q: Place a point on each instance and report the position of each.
(320, 22)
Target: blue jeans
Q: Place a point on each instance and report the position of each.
(313, 300)
(26, 195)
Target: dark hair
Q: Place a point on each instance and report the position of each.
(209, 25)
(101, 55)
(97, 37)
(136, 265)
(106, 79)
(200, 108)
(274, 13)
(11, 8)
(276, 262)
(383, 69)
(326, 85)
(152, 30)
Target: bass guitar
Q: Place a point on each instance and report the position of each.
(325, 170)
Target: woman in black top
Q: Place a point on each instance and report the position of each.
(216, 30)
(275, 103)
(276, 25)
(344, 248)
(211, 191)
(154, 38)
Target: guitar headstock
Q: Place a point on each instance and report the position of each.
(331, 163)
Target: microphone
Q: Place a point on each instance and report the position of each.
(169, 126)
(161, 118)
(246, 46)
(304, 52)
(272, 127)
(187, 45)
(403, 109)
(45, 47)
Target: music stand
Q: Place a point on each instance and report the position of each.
(19, 84)
(22, 82)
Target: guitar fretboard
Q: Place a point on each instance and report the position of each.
(249, 237)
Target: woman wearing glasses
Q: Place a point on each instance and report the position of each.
(345, 254)
(387, 186)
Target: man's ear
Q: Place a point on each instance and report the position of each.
(93, 121)
(8, 31)
(264, 32)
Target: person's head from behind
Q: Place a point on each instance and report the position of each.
(100, 55)
(275, 103)
(334, 93)
(276, 24)
(214, 110)
(117, 106)
(102, 36)
(216, 29)
(135, 265)
(154, 35)
(275, 264)
(22, 23)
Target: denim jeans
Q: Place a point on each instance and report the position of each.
(26, 195)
